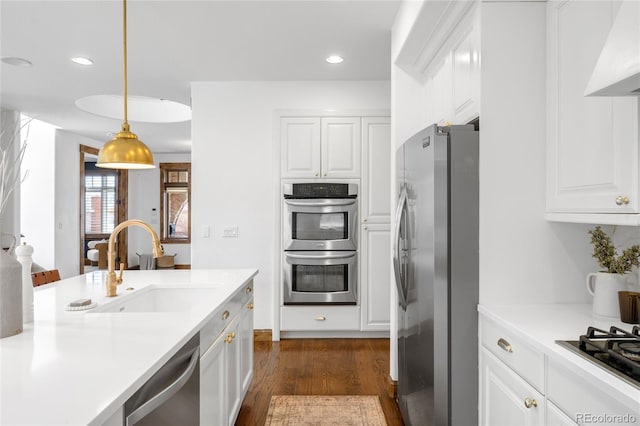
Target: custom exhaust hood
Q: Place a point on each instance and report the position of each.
(617, 72)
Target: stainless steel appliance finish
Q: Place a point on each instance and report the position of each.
(435, 262)
(320, 216)
(313, 277)
(172, 395)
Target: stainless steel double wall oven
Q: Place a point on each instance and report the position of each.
(320, 243)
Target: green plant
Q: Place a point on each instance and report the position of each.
(607, 255)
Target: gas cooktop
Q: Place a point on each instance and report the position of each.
(616, 350)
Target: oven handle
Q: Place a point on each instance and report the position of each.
(322, 202)
(345, 255)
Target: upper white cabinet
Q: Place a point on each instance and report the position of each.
(315, 147)
(465, 64)
(375, 206)
(592, 143)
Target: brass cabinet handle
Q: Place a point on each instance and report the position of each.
(250, 306)
(530, 402)
(620, 200)
(248, 290)
(505, 345)
(233, 334)
(225, 315)
(320, 318)
(228, 339)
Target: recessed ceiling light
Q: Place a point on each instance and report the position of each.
(16, 62)
(335, 59)
(80, 60)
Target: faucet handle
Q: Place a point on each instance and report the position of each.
(119, 279)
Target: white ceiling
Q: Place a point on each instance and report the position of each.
(171, 43)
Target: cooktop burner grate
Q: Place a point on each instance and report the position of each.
(616, 350)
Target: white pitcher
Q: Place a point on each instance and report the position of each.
(604, 288)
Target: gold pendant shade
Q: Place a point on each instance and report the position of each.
(125, 150)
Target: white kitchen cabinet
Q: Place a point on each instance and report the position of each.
(375, 276)
(376, 170)
(465, 69)
(506, 398)
(592, 143)
(226, 366)
(313, 147)
(586, 401)
(555, 416)
(300, 145)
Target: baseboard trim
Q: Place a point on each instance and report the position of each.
(392, 387)
(262, 335)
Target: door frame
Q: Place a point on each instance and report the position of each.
(122, 203)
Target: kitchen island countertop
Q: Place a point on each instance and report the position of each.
(77, 368)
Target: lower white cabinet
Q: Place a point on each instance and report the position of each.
(556, 417)
(506, 398)
(226, 369)
(375, 276)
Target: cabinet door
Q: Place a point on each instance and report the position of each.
(592, 153)
(465, 86)
(340, 141)
(555, 416)
(246, 346)
(505, 398)
(300, 145)
(376, 170)
(213, 394)
(375, 276)
(234, 384)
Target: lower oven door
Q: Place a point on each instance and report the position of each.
(319, 277)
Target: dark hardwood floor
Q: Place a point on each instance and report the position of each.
(318, 367)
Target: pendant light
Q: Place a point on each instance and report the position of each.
(125, 150)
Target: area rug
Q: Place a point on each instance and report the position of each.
(290, 410)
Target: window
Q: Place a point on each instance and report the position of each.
(100, 202)
(175, 195)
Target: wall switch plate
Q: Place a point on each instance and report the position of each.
(230, 232)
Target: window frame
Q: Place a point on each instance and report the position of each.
(164, 169)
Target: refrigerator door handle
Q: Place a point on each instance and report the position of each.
(402, 203)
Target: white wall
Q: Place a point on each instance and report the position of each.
(67, 201)
(144, 196)
(37, 193)
(234, 169)
(523, 258)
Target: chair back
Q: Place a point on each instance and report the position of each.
(45, 277)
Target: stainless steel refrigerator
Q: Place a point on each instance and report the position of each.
(435, 262)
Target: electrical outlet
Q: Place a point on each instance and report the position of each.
(230, 232)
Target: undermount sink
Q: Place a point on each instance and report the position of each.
(159, 299)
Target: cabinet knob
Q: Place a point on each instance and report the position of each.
(321, 318)
(225, 315)
(249, 290)
(316, 174)
(228, 339)
(366, 227)
(620, 200)
(505, 345)
(250, 306)
(530, 402)
(365, 219)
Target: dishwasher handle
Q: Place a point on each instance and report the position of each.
(166, 393)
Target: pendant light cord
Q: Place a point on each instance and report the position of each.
(125, 124)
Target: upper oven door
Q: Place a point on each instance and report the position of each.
(321, 224)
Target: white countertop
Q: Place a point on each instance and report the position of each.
(75, 368)
(542, 325)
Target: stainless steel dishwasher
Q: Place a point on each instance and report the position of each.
(172, 395)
